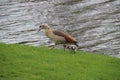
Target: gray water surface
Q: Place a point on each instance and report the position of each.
(94, 23)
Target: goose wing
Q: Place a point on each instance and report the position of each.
(67, 37)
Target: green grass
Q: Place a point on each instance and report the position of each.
(21, 62)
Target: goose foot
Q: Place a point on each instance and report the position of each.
(51, 46)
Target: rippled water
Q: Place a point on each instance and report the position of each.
(94, 23)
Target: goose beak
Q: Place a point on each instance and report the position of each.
(39, 29)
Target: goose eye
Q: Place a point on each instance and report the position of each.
(40, 26)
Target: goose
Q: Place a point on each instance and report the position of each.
(58, 36)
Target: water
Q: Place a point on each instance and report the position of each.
(94, 23)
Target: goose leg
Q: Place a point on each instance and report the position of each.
(64, 45)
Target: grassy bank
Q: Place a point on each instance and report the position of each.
(20, 62)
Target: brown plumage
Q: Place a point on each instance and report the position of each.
(59, 36)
